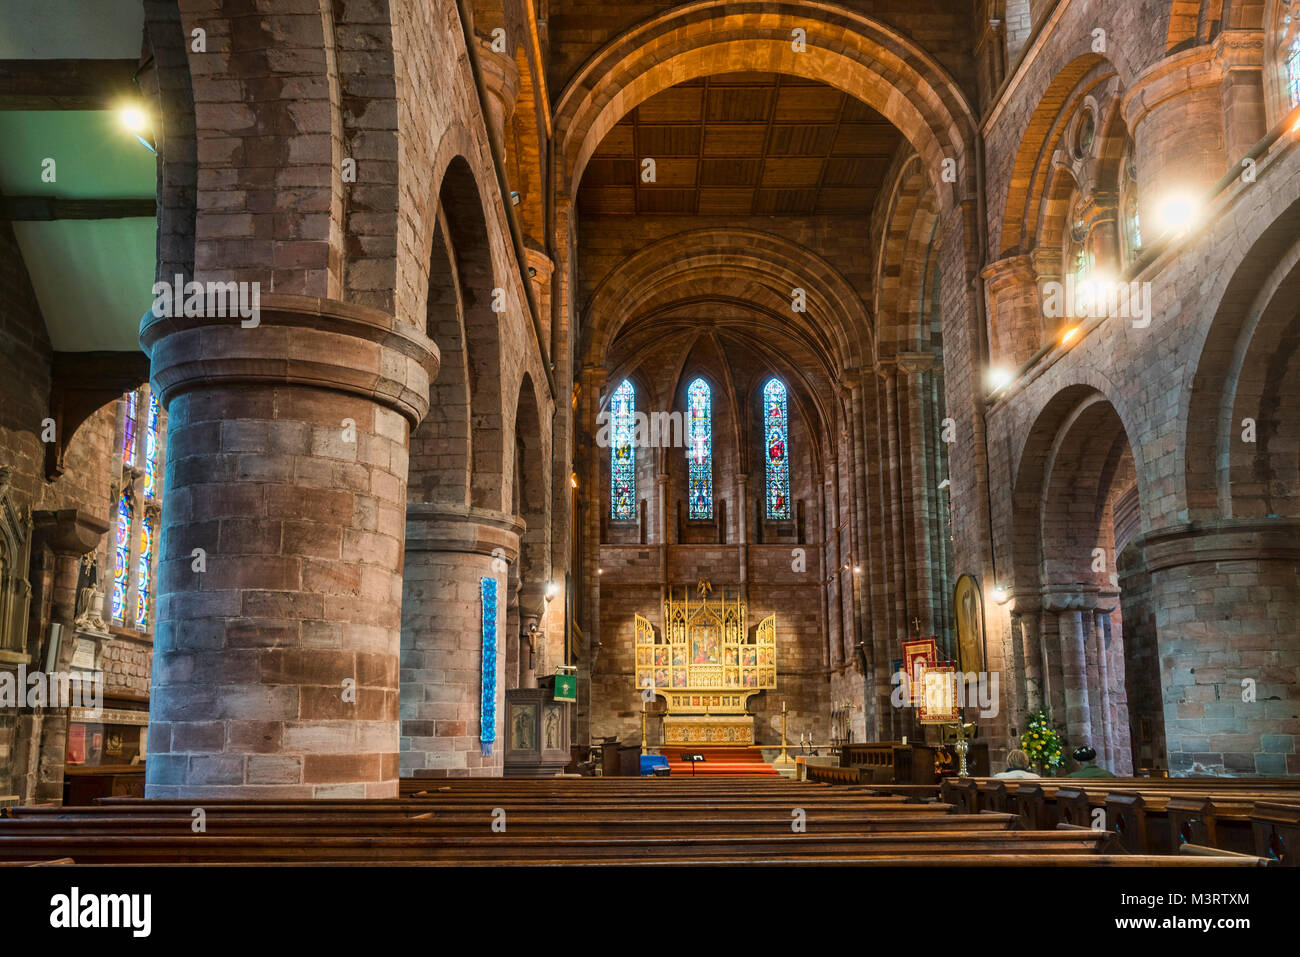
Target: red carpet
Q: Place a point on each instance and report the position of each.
(718, 762)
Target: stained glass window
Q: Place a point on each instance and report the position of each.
(151, 448)
(122, 556)
(488, 701)
(699, 452)
(622, 454)
(1293, 71)
(777, 442)
(128, 430)
(143, 585)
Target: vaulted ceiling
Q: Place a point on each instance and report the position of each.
(739, 144)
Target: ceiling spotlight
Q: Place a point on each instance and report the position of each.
(133, 119)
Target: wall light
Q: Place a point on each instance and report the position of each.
(135, 120)
(1000, 594)
(573, 479)
(1069, 335)
(999, 378)
(1177, 212)
(552, 590)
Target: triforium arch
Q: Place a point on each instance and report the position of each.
(859, 55)
(1081, 645)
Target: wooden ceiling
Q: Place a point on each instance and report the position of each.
(741, 144)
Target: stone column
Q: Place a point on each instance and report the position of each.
(1226, 596)
(1074, 672)
(276, 643)
(449, 551)
(500, 76)
(1014, 311)
(540, 269)
(1184, 138)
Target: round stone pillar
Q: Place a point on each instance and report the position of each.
(1015, 313)
(500, 76)
(1227, 615)
(276, 644)
(449, 551)
(1175, 115)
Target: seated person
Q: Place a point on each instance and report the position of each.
(1087, 758)
(1017, 766)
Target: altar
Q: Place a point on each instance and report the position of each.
(706, 665)
(715, 730)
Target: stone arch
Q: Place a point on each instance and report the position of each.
(440, 446)
(1042, 136)
(906, 261)
(671, 269)
(529, 484)
(1249, 368)
(462, 210)
(1077, 508)
(1084, 404)
(881, 67)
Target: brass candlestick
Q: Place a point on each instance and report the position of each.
(785, 758)
(962, 744)
(643, 747)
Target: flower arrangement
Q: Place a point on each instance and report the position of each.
(1042, 743)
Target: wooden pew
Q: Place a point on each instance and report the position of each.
(547, 822)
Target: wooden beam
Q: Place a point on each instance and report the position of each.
(44, 208)
(80, 384)
(65, 84)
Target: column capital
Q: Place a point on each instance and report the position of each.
(1226, 540)
(914, 363)
(67, 531)
(1011, 271)
(539, 261)
(297, 340)
(1191, 70)
(1079, 596)
(449, 528)
(500, 74)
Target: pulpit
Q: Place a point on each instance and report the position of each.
(537, 732)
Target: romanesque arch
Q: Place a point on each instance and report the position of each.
(1242, 449)
(854, 53)
(1082, 644)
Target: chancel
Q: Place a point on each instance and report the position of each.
(414, 411)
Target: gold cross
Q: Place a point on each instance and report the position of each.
(916, 623)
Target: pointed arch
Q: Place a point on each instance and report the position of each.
(622, 452)
(776, 445)
(699, 449)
